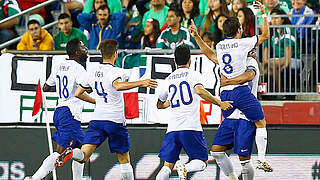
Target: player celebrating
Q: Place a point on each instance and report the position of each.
(231, 57)
(184, 88)
(67, 116)
(108, 119)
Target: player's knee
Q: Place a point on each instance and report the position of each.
(261, 123)
(218, 148)
(244, 158)
(123, 157)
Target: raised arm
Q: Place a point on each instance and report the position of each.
(265, 33)
(203, 46)
(119, 86)
(206, 95)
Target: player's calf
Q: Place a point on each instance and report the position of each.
(247, 171)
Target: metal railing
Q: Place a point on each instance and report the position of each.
(289, 59)
(26, 16)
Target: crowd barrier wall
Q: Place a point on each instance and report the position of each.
(292, 152)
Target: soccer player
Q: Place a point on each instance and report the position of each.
(184, 89)
(67, 115)
(108, 119)
(231, 57)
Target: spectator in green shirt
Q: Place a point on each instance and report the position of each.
(91, 6)
(175, 35)
(190, 10)
(216, 7)
(280, 52)
(158, 12)
(8, 8)
(67, 32)
(269, 6)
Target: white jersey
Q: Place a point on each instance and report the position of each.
(232, 57)
(184, 102)
(253, 85)
(66, 77)
(109, 101)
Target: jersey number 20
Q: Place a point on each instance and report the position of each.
(177, 102)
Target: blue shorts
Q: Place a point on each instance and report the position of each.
(243, 100)
(237, 133)
(68, 128)
(192, 142)
(117, 134)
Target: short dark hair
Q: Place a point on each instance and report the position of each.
(182, 54)
(108, 47)
(33, 21)
(174, 7)
(72, 47)
(104, 7)
(64, 16)
(231, 26)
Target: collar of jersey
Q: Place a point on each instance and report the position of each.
(106, 63)
(229, 38)
(73, 60)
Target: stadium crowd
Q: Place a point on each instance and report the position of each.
(146, 23)
(164, 24)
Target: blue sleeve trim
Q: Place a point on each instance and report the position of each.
(116, 79)
(84, 86)
(161, 100)
(198, 84)
(251, 68)
(257, 41)
(49, 85)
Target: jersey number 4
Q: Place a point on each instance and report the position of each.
(182, 85)
(102, 93)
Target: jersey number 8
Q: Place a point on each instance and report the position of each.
(226, 58)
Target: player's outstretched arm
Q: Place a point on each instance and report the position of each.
(119, 86)
(265, 32)
(162, 105)
(203, 46)
(206, 95)
(80, 93)
(243, 78)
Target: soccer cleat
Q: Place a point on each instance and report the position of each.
(181, 171)
(64, 157)
(264, 166)
(28, 178)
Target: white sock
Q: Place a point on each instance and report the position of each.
(195, 165)
(247, 170)
(77, 170)
(261, 141)
(46, 167)
(225, 164)
(164, 173)
(77, 155)
(126, 171)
